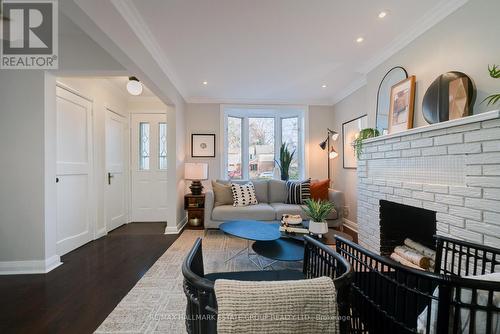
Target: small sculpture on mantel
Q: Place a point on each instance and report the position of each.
(450, 96)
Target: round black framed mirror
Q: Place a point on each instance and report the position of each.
(392, 77)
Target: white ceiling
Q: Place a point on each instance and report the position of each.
(279, 50)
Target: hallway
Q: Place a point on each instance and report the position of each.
(77, 296)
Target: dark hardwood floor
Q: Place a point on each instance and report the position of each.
(77, 296)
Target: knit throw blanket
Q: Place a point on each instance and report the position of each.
(277, 307)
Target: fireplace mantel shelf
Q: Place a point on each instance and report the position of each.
(494, 114)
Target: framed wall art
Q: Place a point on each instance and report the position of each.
(401, 107)
(350, 131)
(202, 145)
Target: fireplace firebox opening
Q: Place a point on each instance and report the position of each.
(399, 221)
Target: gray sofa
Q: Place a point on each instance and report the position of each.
(271, 195)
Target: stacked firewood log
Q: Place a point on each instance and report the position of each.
(414, 255)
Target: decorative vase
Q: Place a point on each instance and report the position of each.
(318, 228)
(449, 96)
(284, 175)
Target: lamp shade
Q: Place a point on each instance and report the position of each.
(195, 171)
(335, 135)
(332, 154)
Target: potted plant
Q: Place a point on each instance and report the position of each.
(363, 134)
(495, 74)
(286, 158)
(317, 211)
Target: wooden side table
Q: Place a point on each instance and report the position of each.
(195, 207)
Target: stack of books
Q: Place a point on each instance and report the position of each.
(285, 227)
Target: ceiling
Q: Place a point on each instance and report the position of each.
(279, 50)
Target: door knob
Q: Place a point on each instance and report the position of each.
(109, 178)
(57, 180)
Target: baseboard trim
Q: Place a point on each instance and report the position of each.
(350, 228)
(101, 233)
(29, 267)
(352, 225)
(176, 229)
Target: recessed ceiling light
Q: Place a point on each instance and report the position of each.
(205, 83)
(381, 15)
(323, 86)
(360, 39)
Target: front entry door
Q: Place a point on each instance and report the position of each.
(149, 167)
(74, 165)
(116, 171)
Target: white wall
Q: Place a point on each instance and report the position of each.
(464, 41)
(205, 118)
(79, 54)
(22, 112)
(180, 144)
(320, 118)
(346, 179)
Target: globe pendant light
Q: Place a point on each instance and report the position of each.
(134, 86)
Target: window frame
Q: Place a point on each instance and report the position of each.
(244, 112)
(160, 157)
(142, 165)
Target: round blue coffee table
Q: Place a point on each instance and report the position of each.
(251, 230)
(284, 249)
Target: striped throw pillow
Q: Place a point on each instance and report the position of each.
(243, 194)
(298, 191)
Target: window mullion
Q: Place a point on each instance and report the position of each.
(225, 162)
(278, 138)
(301, 147)
(245, 140)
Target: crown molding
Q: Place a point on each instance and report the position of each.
(351, 88)
(439, 12)
(129, 12)
(209, 100)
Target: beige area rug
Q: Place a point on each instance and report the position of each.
(156, 304)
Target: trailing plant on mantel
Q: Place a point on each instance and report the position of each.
(363, 134)
(286, 158)
(495, 74)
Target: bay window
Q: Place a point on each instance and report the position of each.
(253, 137)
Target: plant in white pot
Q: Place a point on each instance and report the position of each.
(317, 211)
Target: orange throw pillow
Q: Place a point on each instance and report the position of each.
(319, 190)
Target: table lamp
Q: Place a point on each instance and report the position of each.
(196, 172)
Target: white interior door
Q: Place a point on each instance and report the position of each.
(74, 165)
(149, 167)
(116, 170)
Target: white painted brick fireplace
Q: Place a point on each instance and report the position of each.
(452, 168)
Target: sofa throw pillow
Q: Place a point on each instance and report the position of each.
(223, 194)
(298, 191)
(319, 190)
(243, 194)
